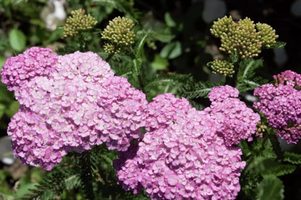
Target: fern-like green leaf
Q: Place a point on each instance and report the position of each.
(279, 170)
(276, 146)
(246, 79)
(197, 90)
(278, 45)
(292, 158)
(171, 83)
(51, 186)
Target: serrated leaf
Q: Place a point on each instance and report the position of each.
(17, 39)
(270, 187)
(292, 158)
(246, 79)
(171, 50)
(197, 90)
(278, 45)
(234, 57)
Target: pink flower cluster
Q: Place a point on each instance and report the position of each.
(33, 62)
(183, 157)
(73, 102)
(76, 104)
(235, 121)
(281, 104)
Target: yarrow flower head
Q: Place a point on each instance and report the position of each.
(165, 110)
(220, 93)
(78, 22)
(79, 105)
(281, 104)
(118, 34)
(235, 121)
(267, 33)
(242, 37)
(222, 67)
(18, 71)
(184, 159)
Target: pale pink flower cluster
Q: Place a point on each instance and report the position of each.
(17, 71)
(234, 120)
(281, 104)
(182, 157)
(77, 104)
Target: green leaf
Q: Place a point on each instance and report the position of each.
(292, 158)
(2, 110)
(2, 61)
(159, 63)
(246, 79)
(55, 35)
(12, 109)
(139, 48)
(278, 45)
(270, 187)
(17, 39)
(234, 57)
(171, 50)
(197, 90)
(163, 37)
(169, 21)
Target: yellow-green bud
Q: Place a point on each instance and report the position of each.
(222, 67)
(267, 33)
(240, 37)
(119, 31)
(221, 26)
(111, 49)
(78, 22)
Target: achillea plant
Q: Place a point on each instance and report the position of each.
(73, 103)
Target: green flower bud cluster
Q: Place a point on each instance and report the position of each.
(111, 49)
(119, 33)
(222, 67)
(221, 26)
(267, 33)
(243, 37)
(260, 130)
(78, 22)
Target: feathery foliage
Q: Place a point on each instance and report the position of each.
(246, 79)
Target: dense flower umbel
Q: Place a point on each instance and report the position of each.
(234, 120)
(82, 104)
(17, 71)
(78, 22)
(166, 110)
(184, 160)
(222, 67)
(118, 34)
(267, 33)
(243, 37)
(33, 141)
(281, 103)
